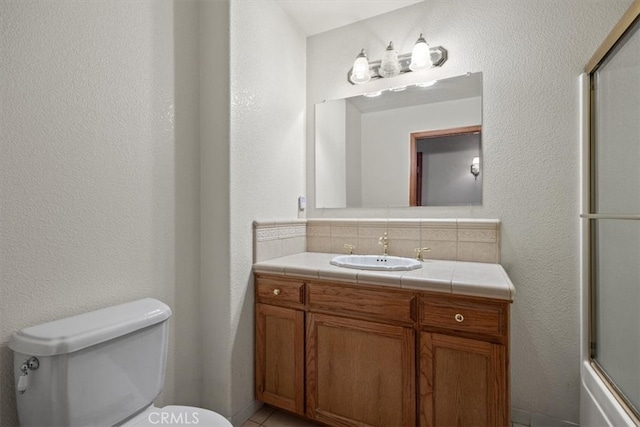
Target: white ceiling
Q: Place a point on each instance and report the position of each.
(317, 16)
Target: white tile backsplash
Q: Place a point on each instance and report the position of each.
(294, 245)
(273, 239)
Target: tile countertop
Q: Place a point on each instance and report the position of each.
(457, 277)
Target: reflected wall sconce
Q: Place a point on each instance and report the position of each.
(475, 167)
(422, 57)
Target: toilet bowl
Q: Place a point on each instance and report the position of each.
(101, 368)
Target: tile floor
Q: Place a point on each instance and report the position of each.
(271, 417)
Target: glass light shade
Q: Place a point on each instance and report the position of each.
(475, 167)
(420, 55)
(390, 66)
(360, 72)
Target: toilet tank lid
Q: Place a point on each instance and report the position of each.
(84, 330)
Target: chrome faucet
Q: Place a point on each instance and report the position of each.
(384, 241)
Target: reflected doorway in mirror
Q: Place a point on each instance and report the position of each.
(439, 167)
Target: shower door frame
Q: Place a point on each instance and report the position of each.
(619, 32)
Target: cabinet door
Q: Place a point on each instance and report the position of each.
(280, 357)
(463, 382)
(360, 373)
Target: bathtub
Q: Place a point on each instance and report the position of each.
(598, 406)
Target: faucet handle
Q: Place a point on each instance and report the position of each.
(419, 251)
(350, 247)
(384, 241)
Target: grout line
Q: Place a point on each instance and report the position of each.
(273, 411)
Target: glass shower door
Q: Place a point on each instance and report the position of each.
(615, 218)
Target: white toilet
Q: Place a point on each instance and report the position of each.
(102, 368)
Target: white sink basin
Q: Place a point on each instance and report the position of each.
(376, 262)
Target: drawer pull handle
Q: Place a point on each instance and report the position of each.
(459, 318)
(276, 292)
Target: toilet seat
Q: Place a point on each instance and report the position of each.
(177, 416)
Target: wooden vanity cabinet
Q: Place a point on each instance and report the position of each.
(279, 351)
(354, 355)
(463, 362)
(360, 363)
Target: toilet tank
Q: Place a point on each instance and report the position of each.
(96, 369)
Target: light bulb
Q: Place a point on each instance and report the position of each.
(420, 55)
(389, 66)
(360, 72)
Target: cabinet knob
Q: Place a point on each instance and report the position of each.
(459, 318)
(276, 292)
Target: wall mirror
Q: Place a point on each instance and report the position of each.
(413, 146)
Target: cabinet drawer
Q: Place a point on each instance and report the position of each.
(280, 291)
(460, 315)
(378, 304)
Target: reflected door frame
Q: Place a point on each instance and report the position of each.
(415, 183)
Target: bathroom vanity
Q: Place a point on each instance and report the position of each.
(347, 347)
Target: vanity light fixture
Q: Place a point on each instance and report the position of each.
(475, 167)
(422, 57)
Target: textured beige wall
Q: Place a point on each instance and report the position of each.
(100, 164)
(119, 173)
(267, 143)
(214, 305)
(99, 170)
(531, 54)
